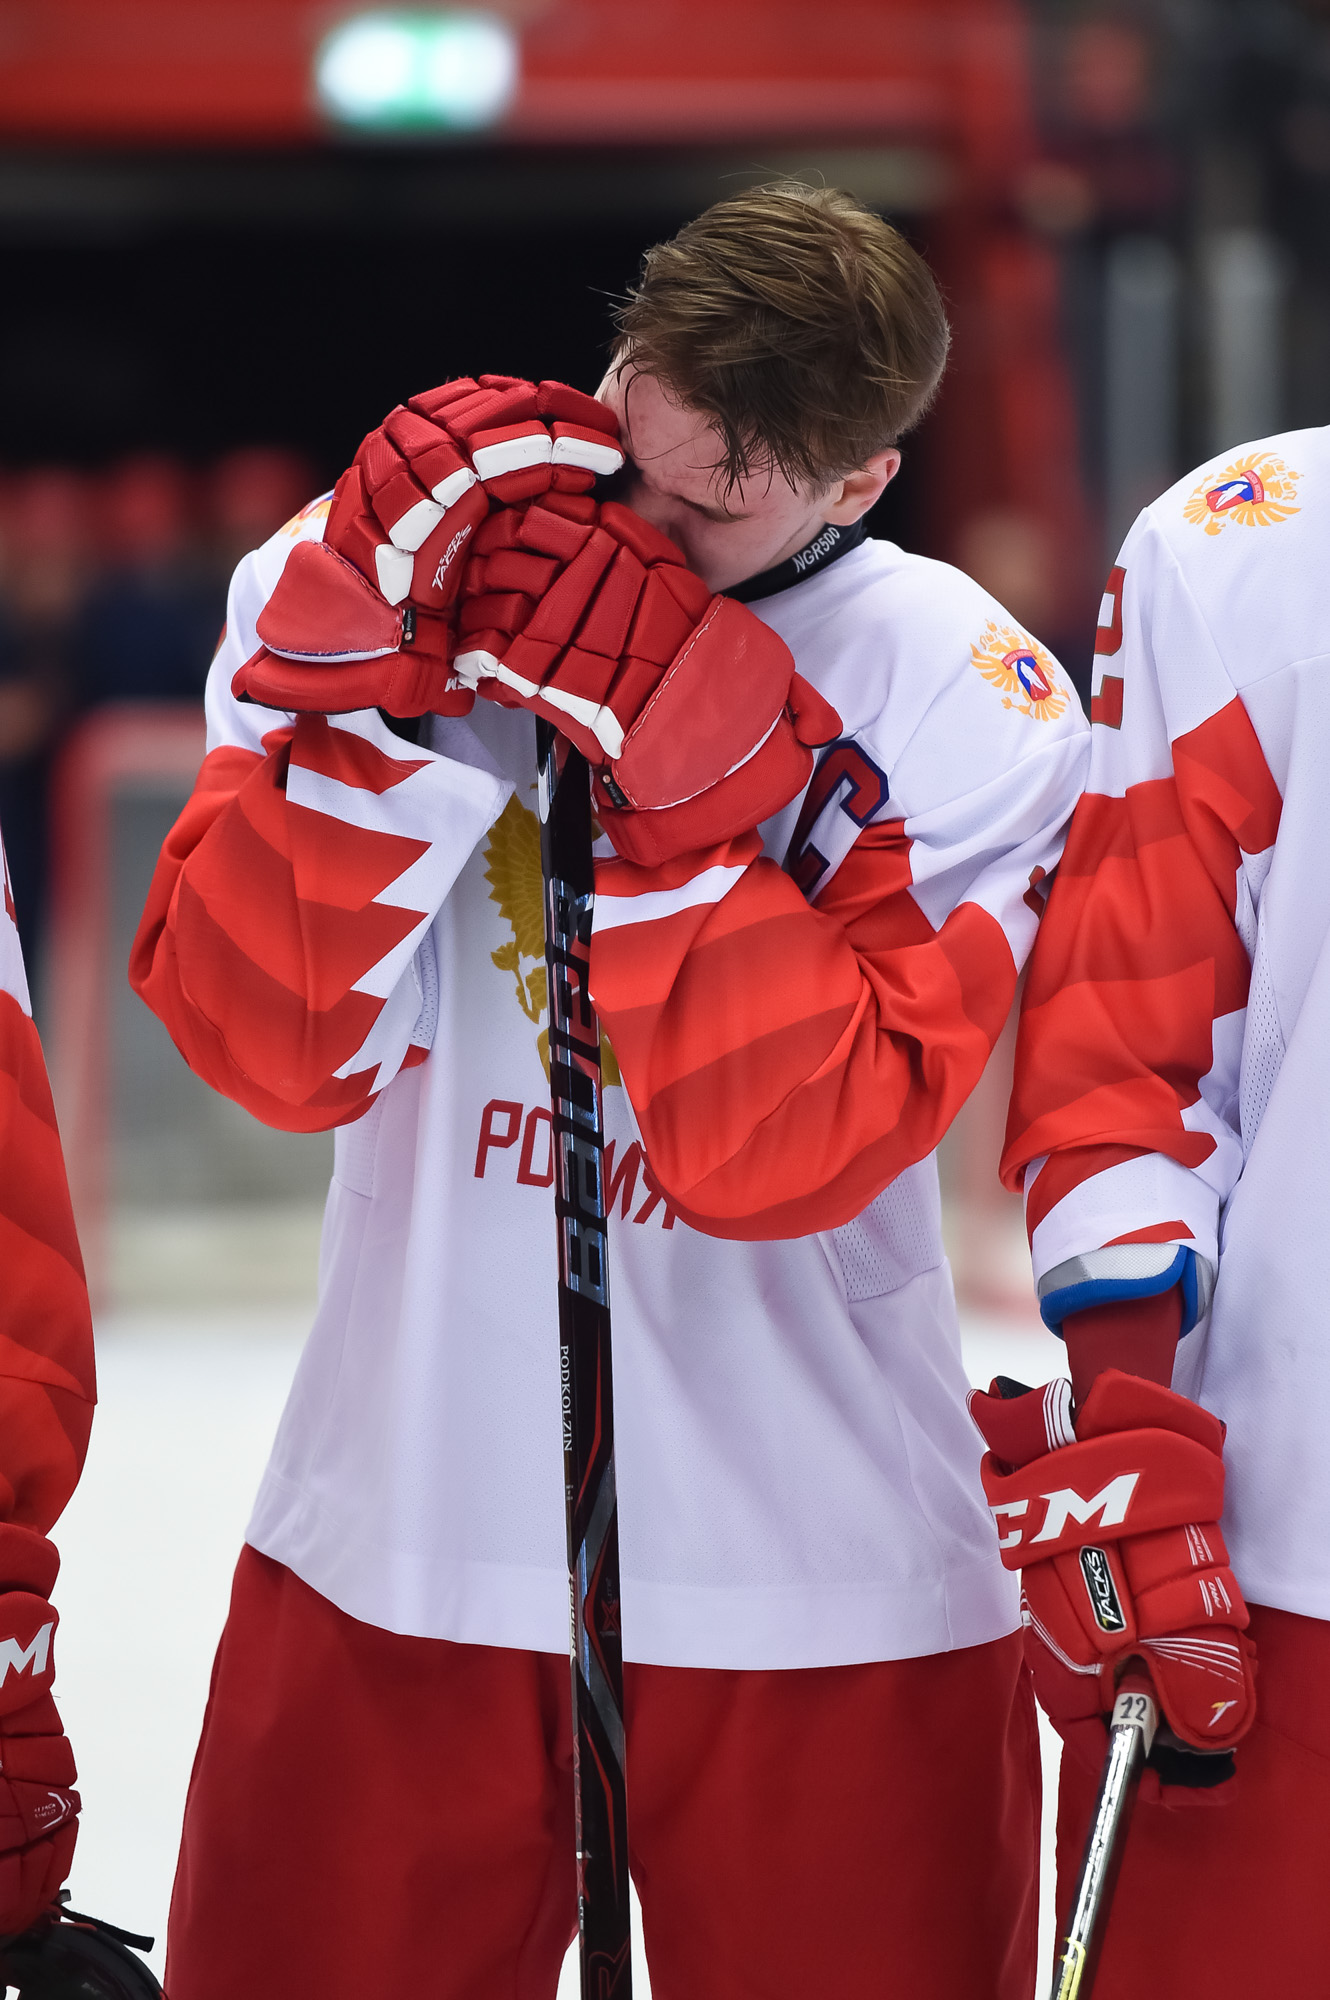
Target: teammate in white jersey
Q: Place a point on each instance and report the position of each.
(832, 1765)
(1169, 1118)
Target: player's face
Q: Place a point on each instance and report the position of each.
(727, 533)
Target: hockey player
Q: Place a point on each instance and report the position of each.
(46, 1402)
(833, 1770)
(1168, 1124)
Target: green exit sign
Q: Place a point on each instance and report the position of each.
(409, 71)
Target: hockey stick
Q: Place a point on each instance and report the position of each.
(584, 1372)
(1131, 1733)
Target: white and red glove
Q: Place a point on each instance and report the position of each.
(364, 619)
(1114, 1525)
(685, 704)
(38, 1809)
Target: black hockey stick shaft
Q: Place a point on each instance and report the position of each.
(1131, 1733)
(585, 1373)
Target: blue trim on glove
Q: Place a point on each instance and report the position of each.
(1054, 1307)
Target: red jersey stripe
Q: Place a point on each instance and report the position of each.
(1137, 958)
(272, 907)
(46, 1358)
(786, 1063)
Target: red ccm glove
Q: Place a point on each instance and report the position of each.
(38, 1810)
(685, 704)
(1114, 1525)
(364, 619)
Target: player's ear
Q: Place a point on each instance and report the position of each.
(852, 496)
(611, 388)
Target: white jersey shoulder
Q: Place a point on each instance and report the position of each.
(1248, 532)
(932, 675)
(13, 978)
(255, 579)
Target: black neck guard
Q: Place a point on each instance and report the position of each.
(827, 546)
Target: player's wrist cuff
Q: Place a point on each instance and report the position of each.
(1122, 1272)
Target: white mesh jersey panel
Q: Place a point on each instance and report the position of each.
(354, 1149)
(896, 1238)
(1262, 1043)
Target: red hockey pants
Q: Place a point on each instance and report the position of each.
(1229, 1900)
(378, 1815)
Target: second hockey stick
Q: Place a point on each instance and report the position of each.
(1130, 1735)
(585, 1374)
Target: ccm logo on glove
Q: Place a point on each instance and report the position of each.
(35, 1656)
(1107, 1509)
(1113, 1522)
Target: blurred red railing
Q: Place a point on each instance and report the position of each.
(128, 746)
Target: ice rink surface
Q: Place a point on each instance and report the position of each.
(188, 1406)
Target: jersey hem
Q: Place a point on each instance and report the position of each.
(671, 1625)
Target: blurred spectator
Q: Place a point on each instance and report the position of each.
(148, 623)
(1013, 554)
(1107, 75)
(44, 518)
(250, 494)
(113, 588)
(1106, 155)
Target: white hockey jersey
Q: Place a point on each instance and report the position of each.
(797, 1473)
(1173, 1068)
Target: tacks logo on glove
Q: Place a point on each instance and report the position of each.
(1104, 1600)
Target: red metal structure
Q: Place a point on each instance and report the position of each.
(950, 72)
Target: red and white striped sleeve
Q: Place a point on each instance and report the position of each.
(284, 942)
(793, 1038)
(1124, 1126)
(47, 1381)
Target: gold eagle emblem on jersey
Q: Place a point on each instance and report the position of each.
(313, 510)
(512, 869)
(1256, 490)
(1011, 660)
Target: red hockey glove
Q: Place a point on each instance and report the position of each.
(364, 618)
(38, 1810)
(686, 705)
(1114, 1524)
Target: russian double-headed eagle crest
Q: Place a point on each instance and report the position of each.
(313, 510)
(1257, 490)
(512, 869)
(1016, 663)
